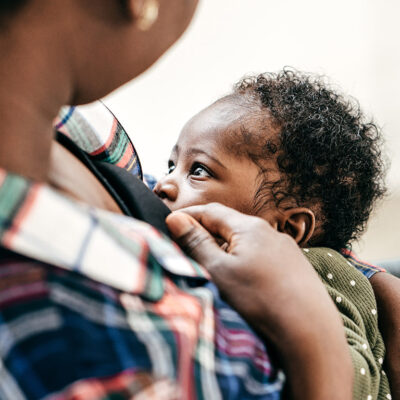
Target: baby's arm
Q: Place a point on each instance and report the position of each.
(387, 292)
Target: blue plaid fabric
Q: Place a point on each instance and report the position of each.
(366, 269)
(100, 306)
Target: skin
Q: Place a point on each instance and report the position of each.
(387, 292)
(261, 284)
(68, 66)
(200, 171)
(213, 173)
(77, 181)
(203, 168)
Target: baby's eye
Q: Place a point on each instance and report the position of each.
(171, 166)
(200, 170)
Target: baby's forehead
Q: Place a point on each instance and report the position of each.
(230, 122)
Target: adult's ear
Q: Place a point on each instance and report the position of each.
(298, 222)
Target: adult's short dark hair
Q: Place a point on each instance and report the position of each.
(328, 154)
(9, 7)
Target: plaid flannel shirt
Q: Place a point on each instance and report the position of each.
(95, 305)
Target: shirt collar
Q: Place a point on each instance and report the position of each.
(38, 222)
(96, 130)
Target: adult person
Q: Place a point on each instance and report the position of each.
(95, 305)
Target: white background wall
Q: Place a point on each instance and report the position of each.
(355, 42)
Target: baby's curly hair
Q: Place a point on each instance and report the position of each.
(329, 156)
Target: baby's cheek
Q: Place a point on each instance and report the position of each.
(243, 204)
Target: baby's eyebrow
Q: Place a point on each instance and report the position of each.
(199, 151)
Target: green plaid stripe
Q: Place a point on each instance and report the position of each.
(13, 192)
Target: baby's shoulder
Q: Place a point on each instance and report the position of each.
(349, 289)
(339, 273)
(325, 259)
(354, 298)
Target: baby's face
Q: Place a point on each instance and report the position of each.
(201, 169)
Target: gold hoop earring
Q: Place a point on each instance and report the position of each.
(148, 16)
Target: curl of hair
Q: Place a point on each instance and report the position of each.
(329, 156)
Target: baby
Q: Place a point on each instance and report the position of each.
(288, 149)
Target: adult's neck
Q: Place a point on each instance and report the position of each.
(33, 87)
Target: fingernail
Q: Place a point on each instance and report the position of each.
(179, 224)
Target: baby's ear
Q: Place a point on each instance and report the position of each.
(298, 222)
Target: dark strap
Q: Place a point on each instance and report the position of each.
(141, 202)
(133, 197)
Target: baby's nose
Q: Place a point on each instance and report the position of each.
(166, 188)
